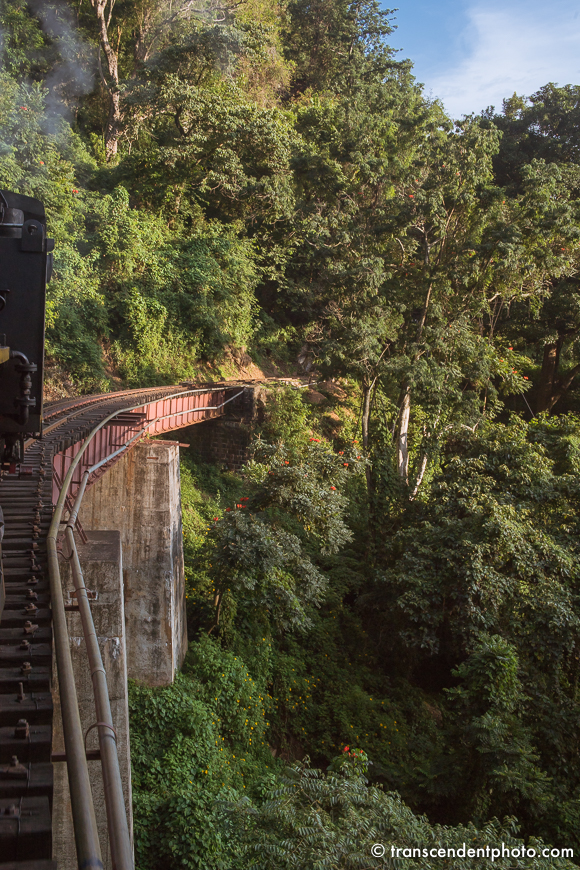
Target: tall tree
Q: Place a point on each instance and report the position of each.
(110, 80)
(333, 42)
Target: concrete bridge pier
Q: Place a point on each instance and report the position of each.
(141, 497)
(133, 561)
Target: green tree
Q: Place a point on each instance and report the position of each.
(491, 551)
(335, 43)
(260, 562)
(312, 819)
(539, 137)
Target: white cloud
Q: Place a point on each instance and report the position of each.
(510, 50)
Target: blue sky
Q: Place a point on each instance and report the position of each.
(473, 53)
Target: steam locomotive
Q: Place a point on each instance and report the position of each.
(25, 269)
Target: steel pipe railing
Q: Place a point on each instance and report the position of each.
(119, 837)
(85, 826)
(83, 811)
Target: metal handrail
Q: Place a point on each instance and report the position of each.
(84, 822)
(119, 837)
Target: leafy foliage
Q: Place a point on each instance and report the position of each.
(267, 179)
(334, 820)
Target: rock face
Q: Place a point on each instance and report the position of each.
(314, 397)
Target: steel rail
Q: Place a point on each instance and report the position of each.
(85, 827)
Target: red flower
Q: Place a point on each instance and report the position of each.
(525, 377)
(24, 108)
(333, 487)
(345, 464)
(341, 452)
(411, 196)
(345, 749)
(286, 462)
(228, 509)
(216, 519)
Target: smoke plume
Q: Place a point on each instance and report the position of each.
(74, 73)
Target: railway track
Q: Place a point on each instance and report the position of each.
(26, 498)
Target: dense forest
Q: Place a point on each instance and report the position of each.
(384, 606)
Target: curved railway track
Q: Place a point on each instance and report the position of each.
(26, 498)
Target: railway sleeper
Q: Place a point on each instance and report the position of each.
(25, 830)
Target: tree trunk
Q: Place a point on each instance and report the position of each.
(365, 423)
(217, 603)
(420, 474)
(114, 122)
(547, 377)
(115, 117)
(552, 388)
(563, 387)
(403, 434)
(405, 404)
(366, 413)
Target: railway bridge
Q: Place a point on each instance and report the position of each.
(70, 630)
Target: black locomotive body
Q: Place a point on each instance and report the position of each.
(25, 267)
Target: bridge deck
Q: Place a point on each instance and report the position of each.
(27, 497)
